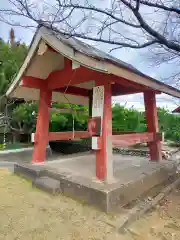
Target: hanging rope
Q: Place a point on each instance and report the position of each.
(73, 130)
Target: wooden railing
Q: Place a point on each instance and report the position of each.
(121, 140)
(134, 138)
(63, 135)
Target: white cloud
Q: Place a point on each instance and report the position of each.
(137, 101)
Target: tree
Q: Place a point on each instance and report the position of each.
(12, 54)
(11, 59)
(134, 24)
(127, 120)
(169, 124)
(24, 118)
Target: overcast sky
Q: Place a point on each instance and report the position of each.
(134, 57)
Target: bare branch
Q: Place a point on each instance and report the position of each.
(74, 34)
(150, 30)
(137, 5)
(161, 6)
(133, 24)
(98, 10)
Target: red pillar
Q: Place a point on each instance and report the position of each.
(104, 159)
(152, 125)
(42, 126)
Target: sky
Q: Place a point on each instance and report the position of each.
(134, 57)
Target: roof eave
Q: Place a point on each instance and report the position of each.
(90, 62)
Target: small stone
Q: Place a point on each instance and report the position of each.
(149, 199)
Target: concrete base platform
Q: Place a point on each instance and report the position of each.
(133, 177)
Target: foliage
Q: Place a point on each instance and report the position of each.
(11, 59)
(124, 120)
(170, 124)
(127, 120)
(64, 122)
(24, 117)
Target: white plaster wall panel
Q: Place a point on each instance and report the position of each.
(30, 94)
(87, 85)
(43, 65)
(27, 93)
(59, 97)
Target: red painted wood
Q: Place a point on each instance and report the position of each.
(67, 64)
(67, 76)
(52, 49)
(38, 83)
(177, 110)
(62, 78)
(32, 82)
(94, 126)
(152, 125)
(42, 126)
(131, 139)
(132, 86)
(102, 155)
(68, 135)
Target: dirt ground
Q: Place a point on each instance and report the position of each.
(28, 213)
(163, 222)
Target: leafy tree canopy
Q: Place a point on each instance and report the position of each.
(11, 58)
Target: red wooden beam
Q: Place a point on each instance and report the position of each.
(64, 77)
(133, 138)
(53, 136)
(42, 126)
(68, 135)
(177, 110)
(120, 80)
(152, 124)
(32, 82)
(104, 163)
(52, 49)
(58, 80)
(134, 87)
(67, 64)
(118, 90)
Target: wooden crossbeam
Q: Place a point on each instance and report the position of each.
(58, 81)
(64, 77)
(38, 83)
(33, 82)
(66, 110)
(52, 136)
(133, 138)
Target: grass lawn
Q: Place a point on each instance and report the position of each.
(28, 213)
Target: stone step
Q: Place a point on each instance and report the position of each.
(109, 197)
(47, 184)
(28, 171)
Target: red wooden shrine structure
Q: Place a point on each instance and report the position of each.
(59, 69)
(177, 110)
